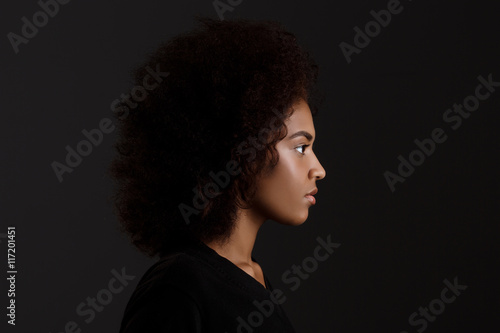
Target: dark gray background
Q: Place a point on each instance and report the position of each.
(396, 248)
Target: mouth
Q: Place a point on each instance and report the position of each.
(310, 196)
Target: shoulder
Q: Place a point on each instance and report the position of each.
(166, 296)
(182, 271)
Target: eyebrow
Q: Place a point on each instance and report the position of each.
(301, 133)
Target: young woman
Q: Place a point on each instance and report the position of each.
(220, 141)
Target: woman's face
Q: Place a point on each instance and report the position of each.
(281, 195)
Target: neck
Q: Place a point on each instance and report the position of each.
(238, 249)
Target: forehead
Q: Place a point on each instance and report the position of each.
(301, 119)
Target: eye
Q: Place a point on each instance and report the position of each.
(303, 147)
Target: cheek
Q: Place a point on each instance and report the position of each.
(285, 203)
(284, 178)
(280, 195)
(290, 173)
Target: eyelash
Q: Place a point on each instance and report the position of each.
(305, 146)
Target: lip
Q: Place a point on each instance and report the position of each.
(313, 192)
(310, 196)
(311, 199)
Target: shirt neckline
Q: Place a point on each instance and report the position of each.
(230, 270)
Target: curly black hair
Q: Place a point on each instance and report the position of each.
(227, 80)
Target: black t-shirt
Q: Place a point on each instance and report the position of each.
(196, 290)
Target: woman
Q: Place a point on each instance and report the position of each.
(222, 144)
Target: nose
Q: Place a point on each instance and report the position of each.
(317, 171)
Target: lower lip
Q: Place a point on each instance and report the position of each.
(311, 199)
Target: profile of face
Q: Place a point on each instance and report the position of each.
(282, 194)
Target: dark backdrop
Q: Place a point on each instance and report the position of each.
(397, 247)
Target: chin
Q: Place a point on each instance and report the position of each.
(296, 220)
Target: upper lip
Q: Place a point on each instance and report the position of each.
(313, 192)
